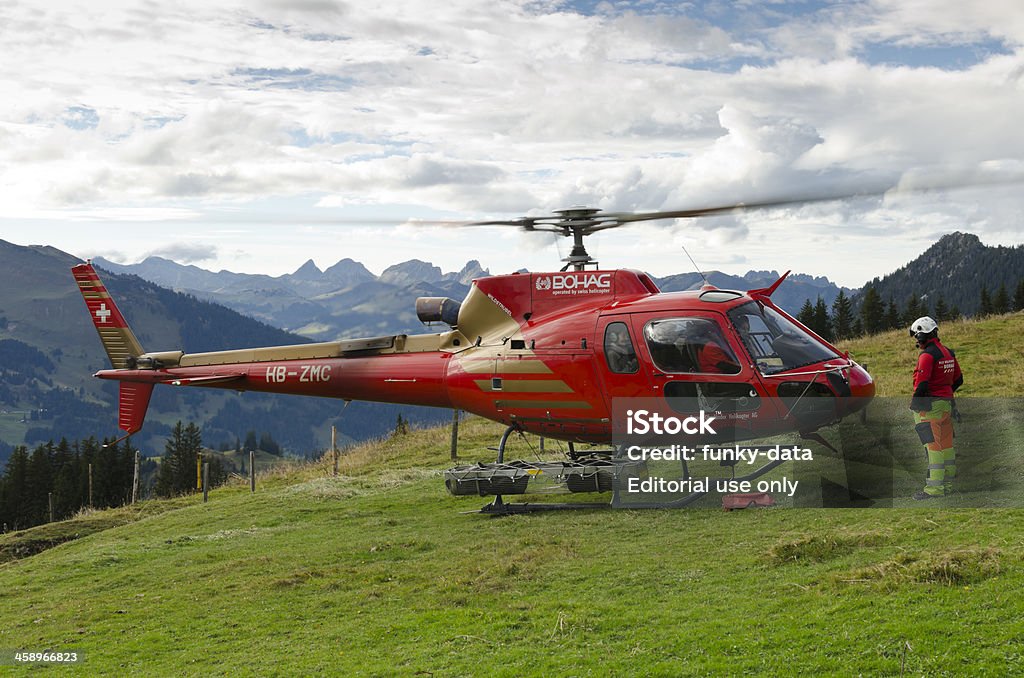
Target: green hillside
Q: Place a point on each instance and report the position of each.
(990, 352)
(378, 572)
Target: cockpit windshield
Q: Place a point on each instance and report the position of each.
(774, 341)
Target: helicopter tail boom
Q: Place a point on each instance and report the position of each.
(399, 369)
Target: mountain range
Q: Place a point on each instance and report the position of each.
(49, 351)
(346, 300)
(954, 269)
(343, 301)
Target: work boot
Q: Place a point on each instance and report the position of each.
(922, 495)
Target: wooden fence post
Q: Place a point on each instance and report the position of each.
(135, 479)
(455, 435)
(206, 482)
(252, 471)
(334, 449)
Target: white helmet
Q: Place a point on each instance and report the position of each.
(922, 327)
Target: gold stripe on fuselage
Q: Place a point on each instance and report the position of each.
(525, 386)
(503, 366)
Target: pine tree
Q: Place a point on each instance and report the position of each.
(941, 312)
(1001, 302)
(87, 449)
(66, 499)
(822, 323)
(401, 425)
(872, 313)
(913, 310)
(806, 314)
(38, 484)
(218, 474)
(177, 472)
(104, 477)
(985, 308)
(12, 512)
(1018, 297)
(893, 317)
(842, 316)
(858, 328)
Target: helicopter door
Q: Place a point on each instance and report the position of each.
(696, 362)
(621, 371)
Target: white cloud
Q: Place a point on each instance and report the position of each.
(179, 111)
(186, 253)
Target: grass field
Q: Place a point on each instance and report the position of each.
(377, 572)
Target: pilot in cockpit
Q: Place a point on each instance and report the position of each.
(712, 354)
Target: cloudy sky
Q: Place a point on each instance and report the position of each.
(256, 135)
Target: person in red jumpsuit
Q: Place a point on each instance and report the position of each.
(713, 356)
(936, 378)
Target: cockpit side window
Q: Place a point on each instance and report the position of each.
(618, 349)
(690, 345)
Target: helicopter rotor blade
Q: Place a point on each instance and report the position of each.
(627, 218)
(909, 184)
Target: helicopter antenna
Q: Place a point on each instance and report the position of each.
(697, 268)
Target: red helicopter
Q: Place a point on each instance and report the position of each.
(545, 353)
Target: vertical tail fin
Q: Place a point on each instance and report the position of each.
(120, 344)
(118, 339)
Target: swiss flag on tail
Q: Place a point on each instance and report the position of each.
(118, 339)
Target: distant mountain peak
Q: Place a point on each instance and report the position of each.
(960, 236)
(411, 272)
(308, 271)
(471, 271)
(957, 241)
(348, 272)
(954, 269)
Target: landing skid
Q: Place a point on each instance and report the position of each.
(500, 508)
(601, 471)
(592, 472)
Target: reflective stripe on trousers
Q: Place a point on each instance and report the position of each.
(941, 455)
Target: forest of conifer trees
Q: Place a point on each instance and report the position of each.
(60, 474)
(877, 315)
(62, 471)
